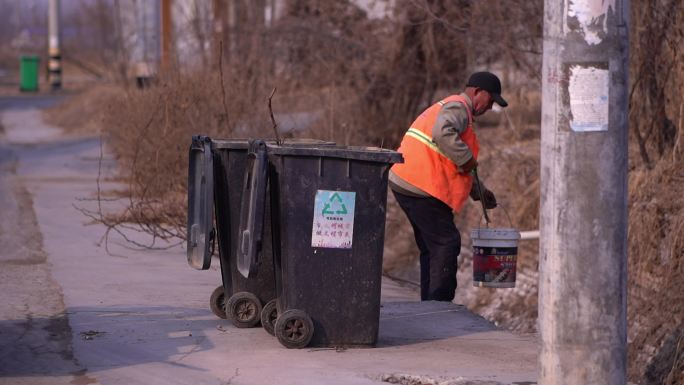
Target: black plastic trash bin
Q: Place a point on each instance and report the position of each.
(328, 222)
(217, 171)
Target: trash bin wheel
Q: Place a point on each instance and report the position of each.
(269, 314)
(217, 302)
(294, 329)
(244, 309)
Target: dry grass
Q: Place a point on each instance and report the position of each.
(150, 133)
(82, 115)
(150, 130)
(656, 269)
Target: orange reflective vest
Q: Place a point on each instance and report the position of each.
(427, 167)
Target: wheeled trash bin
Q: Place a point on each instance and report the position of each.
(216, 177)
(328, 222)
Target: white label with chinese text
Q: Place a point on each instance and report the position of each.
(333, 219)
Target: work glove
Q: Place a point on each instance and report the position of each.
(489, 198)
(468, 166)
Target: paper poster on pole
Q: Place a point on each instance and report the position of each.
(333, 219)
(588, 89)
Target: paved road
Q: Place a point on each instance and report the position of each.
(73, 314)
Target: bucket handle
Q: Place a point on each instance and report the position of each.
(498, 205)
(482, 200)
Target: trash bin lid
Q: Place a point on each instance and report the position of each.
(243, 144)
(251, 229)
(237, 144)
(200, 227)
(369, 154)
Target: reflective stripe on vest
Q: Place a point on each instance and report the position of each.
(425, 139)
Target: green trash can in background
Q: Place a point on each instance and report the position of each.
(29, 73)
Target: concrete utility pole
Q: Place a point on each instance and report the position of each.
(54, 53)
(583, 253)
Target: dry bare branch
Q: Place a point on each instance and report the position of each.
(275, 125)
(223, 85)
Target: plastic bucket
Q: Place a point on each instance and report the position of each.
(495, 253)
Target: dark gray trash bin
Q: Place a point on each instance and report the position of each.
(328, 221)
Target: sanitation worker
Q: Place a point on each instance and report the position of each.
(440, 150)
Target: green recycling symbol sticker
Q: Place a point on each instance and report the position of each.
(337, 202)
(333, 219)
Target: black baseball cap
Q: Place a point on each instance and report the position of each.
(490, 83)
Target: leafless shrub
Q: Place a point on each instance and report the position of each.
(656, 75)
(656, 213)
(656, 244)
(361, 80)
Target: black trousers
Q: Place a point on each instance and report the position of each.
(439, 242)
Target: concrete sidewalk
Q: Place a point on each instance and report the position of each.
(142, 317)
